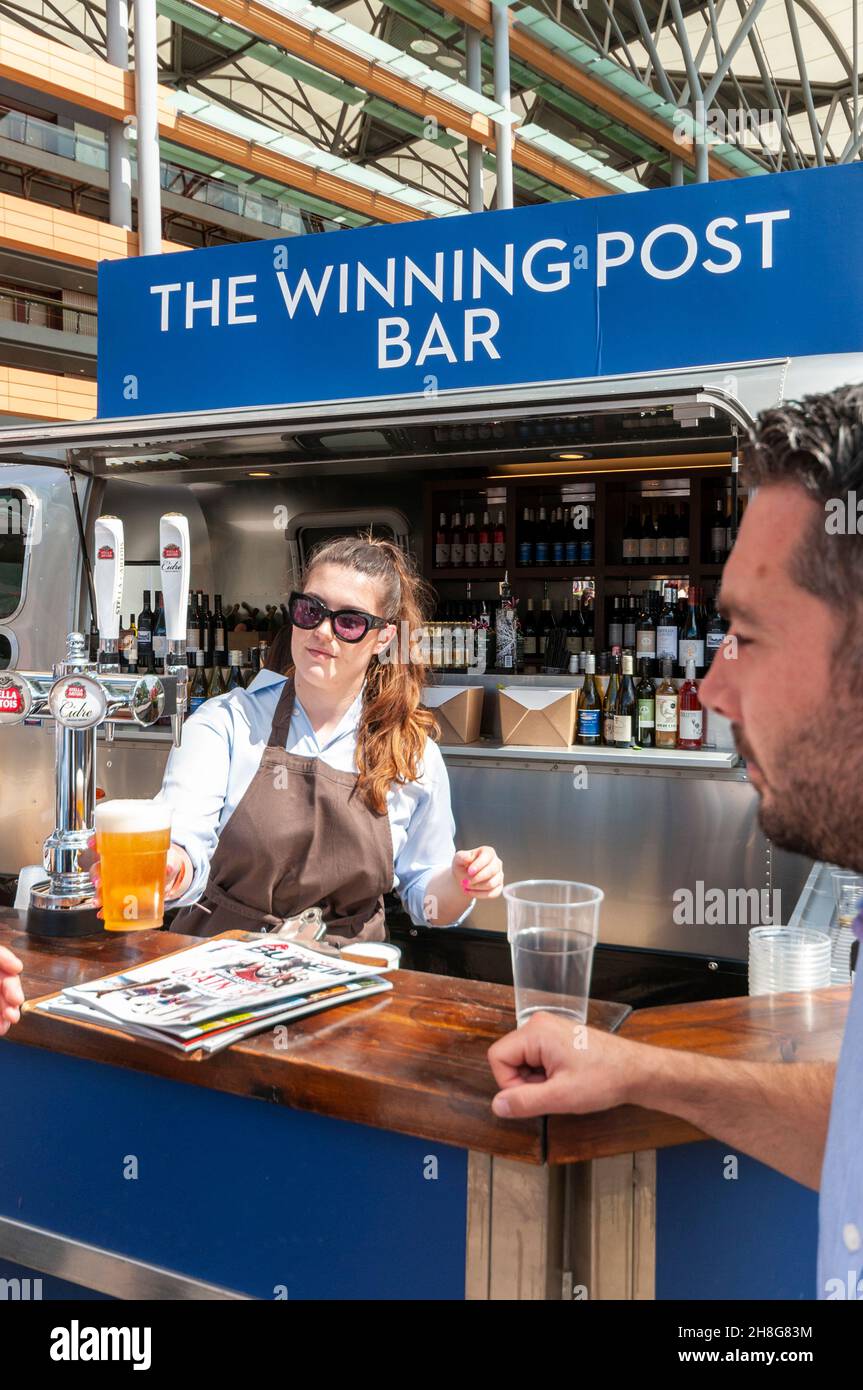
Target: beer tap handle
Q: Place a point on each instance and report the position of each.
(108, 579)
(174, 563)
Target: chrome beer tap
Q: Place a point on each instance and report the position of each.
(80, 695)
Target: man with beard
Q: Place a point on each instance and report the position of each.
(792, 590)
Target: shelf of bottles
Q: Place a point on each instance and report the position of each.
(623, 564)
(226, 646)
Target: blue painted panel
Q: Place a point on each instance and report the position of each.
(243, 1194)
(753, 1237)
(734, 270)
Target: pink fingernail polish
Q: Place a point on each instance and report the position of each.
(465, 883)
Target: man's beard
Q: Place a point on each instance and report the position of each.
(815, 796)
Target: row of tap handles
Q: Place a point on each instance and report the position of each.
(81, 694)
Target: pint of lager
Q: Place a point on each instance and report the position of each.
(132, 840)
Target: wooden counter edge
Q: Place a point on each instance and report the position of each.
(782, 1028)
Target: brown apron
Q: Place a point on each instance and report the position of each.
(300, 837)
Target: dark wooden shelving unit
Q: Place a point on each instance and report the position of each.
(608, 502)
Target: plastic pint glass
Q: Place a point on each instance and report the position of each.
(132, 840)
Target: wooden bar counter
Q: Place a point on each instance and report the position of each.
(376, 1168)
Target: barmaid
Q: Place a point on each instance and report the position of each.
(321, 785)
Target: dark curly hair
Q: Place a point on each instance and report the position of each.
(817, 442)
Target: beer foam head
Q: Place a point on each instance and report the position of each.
(132, 817)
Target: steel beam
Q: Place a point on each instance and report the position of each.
(473, 55)
(503, 149)
(119, 159)
(147, 112)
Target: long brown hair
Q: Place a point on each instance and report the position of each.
(393, 726)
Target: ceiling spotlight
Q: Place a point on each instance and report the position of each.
(449, 60)
(424, 46)
(260, 475)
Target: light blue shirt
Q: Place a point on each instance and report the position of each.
(840, 1208)
(207, 776)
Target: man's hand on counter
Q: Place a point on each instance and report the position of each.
(776, 1112)
(556, 1066)
(11, 993)
(178, 871)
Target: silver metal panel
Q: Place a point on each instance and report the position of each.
(640, 834)
(743, 388)
(94, 1268)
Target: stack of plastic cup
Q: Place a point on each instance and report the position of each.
(848, 899)
(788, 959)
(552, 925)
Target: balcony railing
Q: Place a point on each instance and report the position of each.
(185, 183)
(22, 306)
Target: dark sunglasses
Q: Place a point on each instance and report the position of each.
(349, 624)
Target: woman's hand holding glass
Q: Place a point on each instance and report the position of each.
(178, 872)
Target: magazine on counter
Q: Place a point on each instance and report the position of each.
(210, 980)
(219, 992)
(218, 1033)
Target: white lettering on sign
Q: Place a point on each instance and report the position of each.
(479, 329)
(614, 249)
(666, 252)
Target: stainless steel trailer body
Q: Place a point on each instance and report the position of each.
(375, 454)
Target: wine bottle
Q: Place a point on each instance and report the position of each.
(198, 683)
(220, 642)
(691, 714)
(714, 634)
(145, 633)
(160, 638)
(498, 542)
(589, 711)
(558, 540)
(441, 543)
(691, 642)
(235, 674)
(531, 649)
(717, 534)
(645, 717)
(456, 543)
(611, 701)
(546, 623)
(630, 622)
(191, 632)
(667, 701)
(665, 536)
(588, 619)
(526, 549)
(647, 543)
(626, 706)
(541, 546)
(572, 544)
(645, 632)
(485, 542)
(666, 628)
(471, 542)
(575, 627)
(615, 626)
(215, 685)
(681, 535)
(586, 544)
(631, 539)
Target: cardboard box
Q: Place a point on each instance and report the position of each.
(458, 710)
(538, 718)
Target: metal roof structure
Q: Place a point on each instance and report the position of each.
(607, 96)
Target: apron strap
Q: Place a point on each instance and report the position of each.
(281, 725)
